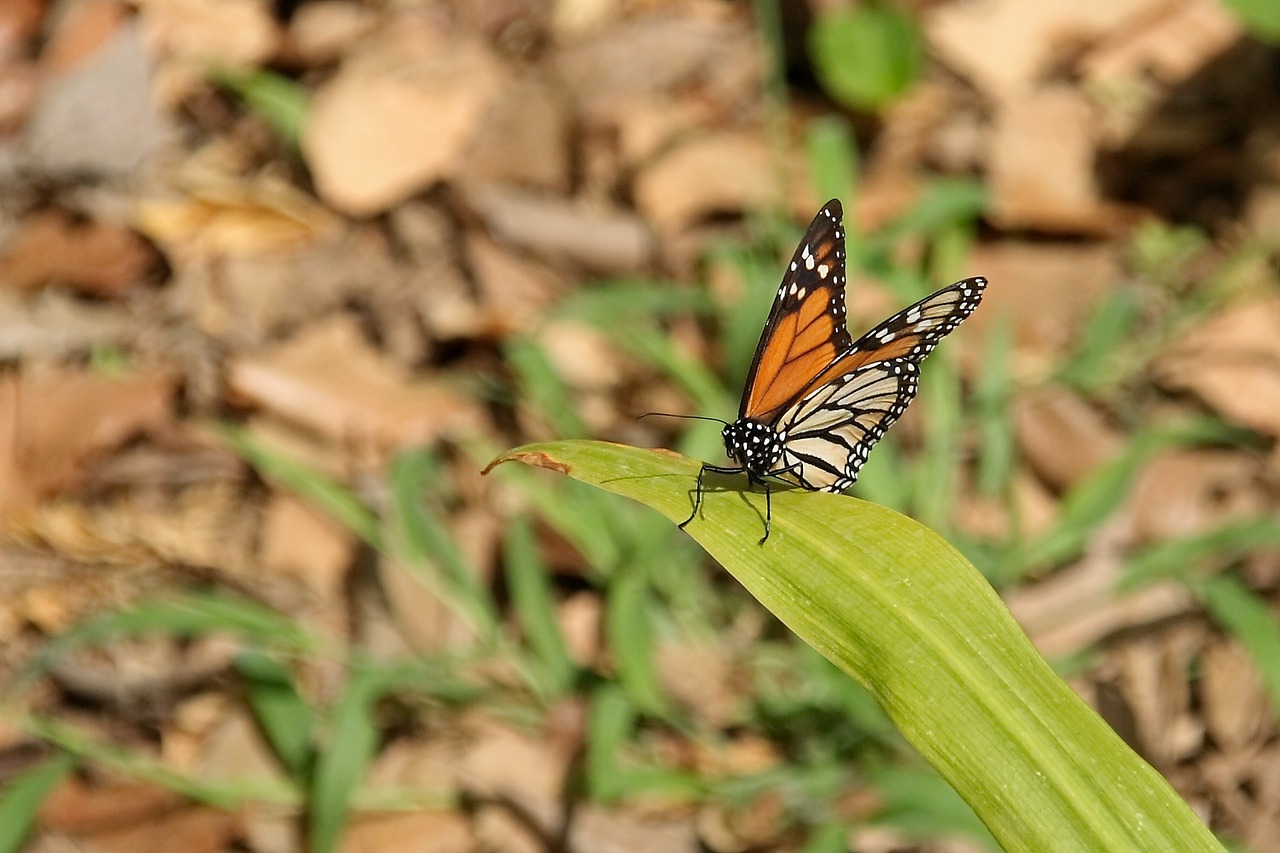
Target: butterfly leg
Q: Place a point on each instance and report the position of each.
(697, 498)
(698, 489)
(768, 512)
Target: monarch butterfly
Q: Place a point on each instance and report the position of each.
(815, 400)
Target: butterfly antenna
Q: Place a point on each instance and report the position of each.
(686, 417)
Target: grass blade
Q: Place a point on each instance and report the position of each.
(20, 801)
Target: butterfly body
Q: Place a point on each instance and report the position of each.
(815, 400)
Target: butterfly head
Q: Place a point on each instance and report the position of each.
(755, 446)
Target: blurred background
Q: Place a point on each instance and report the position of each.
(278, 279)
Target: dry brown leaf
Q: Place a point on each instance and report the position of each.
(1184, 492)
(1005, 47)
(602, 239)
(234, 751)
(596, 829)
(1151, 676)
(710, 173)
(513, 291)
(1029, 510)
(94, 258)
(581, 621)
(57, 325)
(70, 134)
(300, 541)
(1245, 790)
(188, 37)
(132, 818)
(1041, 164)
(1077, 607)
(703, 47)
(645, 126)
(238, 33)
(52, 423)
(1061, 436)
(331, 381)
(20, 20)
(1170, 46)
(703, 678)
(225, 215)
(1232, 697)
(498, 828)
(398, 117)
(79, 33)
(428, 765)
(424, 621)
(445, 832)
(526, 770)
(1232, 362)
(322, 32)
(204, 525)
(529, 117)
(1044, 291)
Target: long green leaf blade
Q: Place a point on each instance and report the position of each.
(900, 610)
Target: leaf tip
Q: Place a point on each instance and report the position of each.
(536, 458)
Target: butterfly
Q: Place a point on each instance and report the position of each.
(816, 401)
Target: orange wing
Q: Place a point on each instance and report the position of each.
(806, 330)
(912, 333)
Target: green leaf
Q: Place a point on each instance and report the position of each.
(866, 56)
(22, 795)
(281, 102)
(533, 600)
(326, 494)
(1261, 17)
(284, 716)
(352, 740)
(899, 609)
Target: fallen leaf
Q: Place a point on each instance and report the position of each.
(1005, 47)
(1232, 362)
(397, 117)
(1077, 607)
(1040, 164)
(1232, 698)
(1061, 436)
(1151, 677)
(524, 769)
(528, 116)
(58, 325)
(602, 239)
(1044, 291)
(710, 173)
(620, 830)
(81, 32)
(439, 832)
(329, 380)
(1183, 492)
(221, 214)
(1170, 46)
(68, 131)
(300, 541)
(94, 258)
(52, 423)
(321, 33)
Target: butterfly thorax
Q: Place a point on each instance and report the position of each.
(755, 446)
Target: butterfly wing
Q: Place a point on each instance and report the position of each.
(912, 333)
(806, 329)
(830, 432)
(847, 408)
